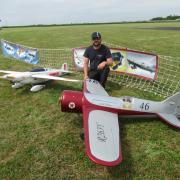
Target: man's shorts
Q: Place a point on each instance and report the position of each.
(99, 75)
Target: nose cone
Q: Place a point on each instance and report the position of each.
(71, 101)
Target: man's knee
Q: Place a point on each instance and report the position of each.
(104, 76)
(93, 75)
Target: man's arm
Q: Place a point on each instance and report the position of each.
(108, 62)
(85, 66)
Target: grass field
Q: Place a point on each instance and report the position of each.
(38, 141)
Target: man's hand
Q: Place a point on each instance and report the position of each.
(86, 77)
(102, 65)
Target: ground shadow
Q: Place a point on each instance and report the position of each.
(55, 86)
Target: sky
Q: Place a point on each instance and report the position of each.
(24, 12)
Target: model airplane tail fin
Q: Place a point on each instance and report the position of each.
(64, 67)
(173, 103)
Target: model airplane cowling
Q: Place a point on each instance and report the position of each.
(36, 77)
(100, 114)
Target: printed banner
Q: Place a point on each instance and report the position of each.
(16, 51)
(135, 63)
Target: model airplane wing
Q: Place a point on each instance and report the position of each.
(101, 129)
(102, 136)
(94, 87)
(9, 72)
(42, 76)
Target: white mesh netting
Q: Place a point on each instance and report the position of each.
(166, 84)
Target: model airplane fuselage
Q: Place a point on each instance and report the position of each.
(100, 114)
(37, 77)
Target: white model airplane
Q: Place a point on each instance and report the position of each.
(100, 114)
(37, 77)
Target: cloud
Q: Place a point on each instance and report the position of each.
(20, 12)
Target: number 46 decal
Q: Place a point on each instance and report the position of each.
(144, 106)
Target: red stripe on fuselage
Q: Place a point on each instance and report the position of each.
(54, 74)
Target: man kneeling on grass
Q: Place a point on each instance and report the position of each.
(100, 59)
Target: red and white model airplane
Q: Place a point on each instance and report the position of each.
(100, 114)
(37, 77)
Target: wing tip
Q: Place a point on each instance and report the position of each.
(102, 162)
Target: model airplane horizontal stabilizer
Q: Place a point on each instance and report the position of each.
(170, 119)
(100, 114)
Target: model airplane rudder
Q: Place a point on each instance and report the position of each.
(64, 67)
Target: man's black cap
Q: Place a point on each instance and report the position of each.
(95, 35)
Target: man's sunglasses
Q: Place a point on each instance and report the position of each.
(96, 38)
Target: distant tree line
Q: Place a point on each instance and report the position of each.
(154, 20)
(75, 24)
(171, 17)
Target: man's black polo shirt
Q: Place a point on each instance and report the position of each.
(96, 56)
